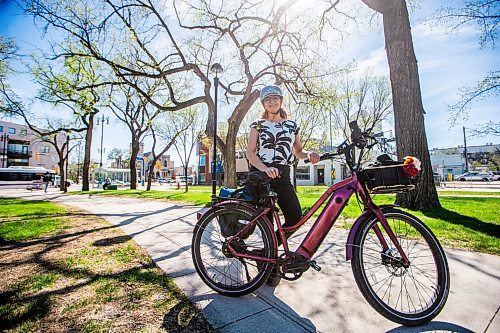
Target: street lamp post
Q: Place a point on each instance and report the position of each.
(216, 69)
(102, 134)
(5, 139)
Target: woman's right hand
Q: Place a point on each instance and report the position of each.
(272, 172)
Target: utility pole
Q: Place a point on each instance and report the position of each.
(67, 165)
(78, 163)
(465, 153)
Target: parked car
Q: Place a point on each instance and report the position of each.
(164, 180)
(474, 175)
(495, 174)
(183, 180)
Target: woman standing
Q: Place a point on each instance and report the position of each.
(272, 141)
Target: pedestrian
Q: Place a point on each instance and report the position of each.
(273, 141)
(46, 181)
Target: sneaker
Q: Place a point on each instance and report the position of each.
(274, 278)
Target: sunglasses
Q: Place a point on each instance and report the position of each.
(272, 99)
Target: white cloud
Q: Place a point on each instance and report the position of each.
(376, 61)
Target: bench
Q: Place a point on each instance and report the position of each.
(111, 187)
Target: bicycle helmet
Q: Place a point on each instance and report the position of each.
(270, 90)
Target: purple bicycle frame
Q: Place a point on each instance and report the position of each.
(339, 195)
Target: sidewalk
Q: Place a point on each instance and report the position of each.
(326, 301)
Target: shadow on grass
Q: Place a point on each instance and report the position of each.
(488, 228)
(20, 306)
(111, 241)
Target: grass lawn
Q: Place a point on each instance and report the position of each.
(74, 272)
(471, 223)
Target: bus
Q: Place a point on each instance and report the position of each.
(22, 175)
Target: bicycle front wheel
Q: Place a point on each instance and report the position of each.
(410, 296)
(221, 271)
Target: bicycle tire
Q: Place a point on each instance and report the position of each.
(417, 312)
(219, 270)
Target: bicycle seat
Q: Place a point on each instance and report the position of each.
(257, 177)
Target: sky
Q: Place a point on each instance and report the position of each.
(447, 62)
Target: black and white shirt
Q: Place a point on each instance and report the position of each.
(275, 144)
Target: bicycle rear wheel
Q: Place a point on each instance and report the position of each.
(220, 270)
(409, 296)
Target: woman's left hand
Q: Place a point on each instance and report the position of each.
(313, 157)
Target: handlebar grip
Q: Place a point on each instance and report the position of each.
(323, 157)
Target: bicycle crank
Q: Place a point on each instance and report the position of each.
(292, 265)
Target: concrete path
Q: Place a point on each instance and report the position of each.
(326, 301)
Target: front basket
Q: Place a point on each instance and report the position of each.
(387, 179)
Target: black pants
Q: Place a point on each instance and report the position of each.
(287, 198)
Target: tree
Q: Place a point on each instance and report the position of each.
(309, 116)
(366, 99)
(165, 136)
(409, 112)
(483, 16)
(494, 162)
(138, 115)
(118, 156)
(260, 49)
(188, 124)
(490, 128)
(76, 86)
(8, 52)
(54, 132)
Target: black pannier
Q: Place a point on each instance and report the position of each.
(387, 176)
(230, 223)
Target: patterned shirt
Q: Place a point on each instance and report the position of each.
(275, 143)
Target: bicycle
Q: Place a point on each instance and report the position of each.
(398, 264)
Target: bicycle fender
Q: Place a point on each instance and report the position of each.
(365, 217)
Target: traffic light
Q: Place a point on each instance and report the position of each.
(36, 155)
(158, 165)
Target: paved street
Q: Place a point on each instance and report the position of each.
(326, 301)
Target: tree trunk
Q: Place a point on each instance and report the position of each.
(86, 158)
(407, 103)
(230, 161)
(186, 175)
(234, 123)
(133, 158)
(62, 160)
(150, 173)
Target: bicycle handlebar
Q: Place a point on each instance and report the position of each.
(359, 140)
(325, 156)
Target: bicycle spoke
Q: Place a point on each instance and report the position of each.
(401, 291)
(216, 263)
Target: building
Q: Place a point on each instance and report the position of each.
(19, 146)
(164, 167)
(325, 172)
(448, 162)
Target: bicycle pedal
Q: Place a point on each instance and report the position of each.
(314, 265)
